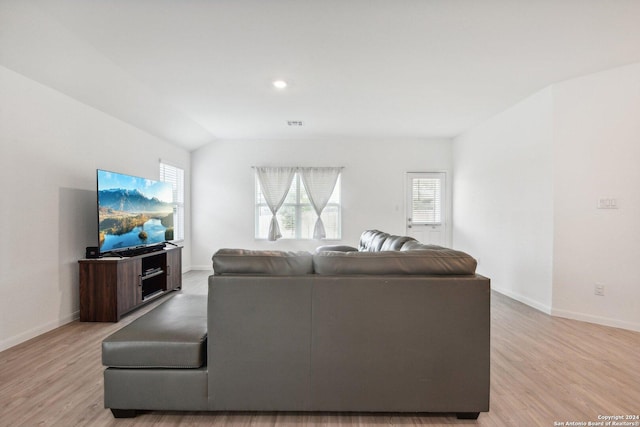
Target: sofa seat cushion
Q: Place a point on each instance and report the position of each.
(243, 261)
(417, 262)
(172, 335)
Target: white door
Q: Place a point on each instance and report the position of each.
(425, 203)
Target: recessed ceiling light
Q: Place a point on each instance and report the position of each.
(279, 84)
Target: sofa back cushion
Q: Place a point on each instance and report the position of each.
(244, 261)
(416, 262)
(376, 241)
(372, 240)
(338, 248)
(395, 243)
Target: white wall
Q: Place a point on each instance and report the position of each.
(503, 199)
(597, 155)
(372, 187)
(526, 187)
(50, 148)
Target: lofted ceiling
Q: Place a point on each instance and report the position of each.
(193, 71)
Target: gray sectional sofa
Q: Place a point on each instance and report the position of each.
(390, 326)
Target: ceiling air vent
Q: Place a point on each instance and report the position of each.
(294, 123)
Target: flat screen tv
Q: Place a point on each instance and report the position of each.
(133, 212)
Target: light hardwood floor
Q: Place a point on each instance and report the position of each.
(543, 370)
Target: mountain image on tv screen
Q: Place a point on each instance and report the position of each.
(133, 211)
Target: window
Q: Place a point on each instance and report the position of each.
(175, 176)
(296, 217)
(426, 205)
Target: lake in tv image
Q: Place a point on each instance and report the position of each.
(133, 211)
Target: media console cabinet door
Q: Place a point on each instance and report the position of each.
(129, 285)
(174, 268)
(109, 288)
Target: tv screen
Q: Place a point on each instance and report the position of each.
(133, 212)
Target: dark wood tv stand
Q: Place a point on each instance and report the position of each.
(111, 287)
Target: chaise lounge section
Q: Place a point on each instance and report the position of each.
(404, 329)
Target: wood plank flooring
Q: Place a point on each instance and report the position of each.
(544, 370)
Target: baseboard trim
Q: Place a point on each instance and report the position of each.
(39, 330)
(525, 300)
(598, 320)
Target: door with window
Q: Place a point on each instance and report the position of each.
(426, 207)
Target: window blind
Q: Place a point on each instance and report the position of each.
(175, 176)
(426, 201)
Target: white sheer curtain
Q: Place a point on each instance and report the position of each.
(275, 183)
(319, 183)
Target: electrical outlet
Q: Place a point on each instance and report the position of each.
(599, 289)
(607, 204)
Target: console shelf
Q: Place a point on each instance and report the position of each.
(112, 287)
